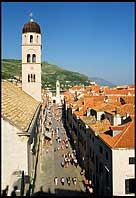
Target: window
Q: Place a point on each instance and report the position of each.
(107, 178)
(85, 145)
(28, 58)
(100, 168)
(34, 77)
(107, 157)
(102, 117)
(131, 160)
(101, 149)
(28, 77)
(31, 78)
(96, 164)
(31, 38)
(90, 152)
(90, 136)
(33, 58)
(37, 39)
(25, 38)
(93, 157)
(130, 186)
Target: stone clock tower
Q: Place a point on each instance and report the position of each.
(31, 59)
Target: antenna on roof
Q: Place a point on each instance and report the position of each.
(30, 15)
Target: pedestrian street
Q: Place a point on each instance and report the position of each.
(54, 162)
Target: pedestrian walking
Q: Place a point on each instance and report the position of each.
(75, 162)
(47, 150)
(62, 181)
(74, 181)
(68, 181)
(56, 181)
(28, 192)
(62, 164)
(82, 172)
(13, 193)
(68, 161)
(66, 145)
(5, 192)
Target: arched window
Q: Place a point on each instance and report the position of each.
(28, 58)
(31, 78)
(102, 116)
(34, 58)
(25, 39)
(28, 77)
(31, 38)
(34, 77)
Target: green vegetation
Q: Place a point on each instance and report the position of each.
(50, 73)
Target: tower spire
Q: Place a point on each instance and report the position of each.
(30, 15)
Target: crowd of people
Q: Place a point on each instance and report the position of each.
(62, 142)
(67, 180)
(69, 157)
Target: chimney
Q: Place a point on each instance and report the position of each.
(127, 115)
(116, 110)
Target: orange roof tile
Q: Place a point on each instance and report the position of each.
(125, 139)
(100, 126)
(116, 91)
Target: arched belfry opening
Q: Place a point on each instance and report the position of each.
(31, 38)
(34, 58)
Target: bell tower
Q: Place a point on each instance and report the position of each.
(31, 59)
(57, 92)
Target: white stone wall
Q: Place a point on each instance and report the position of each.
(116, 119)
(31, 50)
(122, 170)
(101, 158)
(32, 88)
(99, 114)
(14, 153)
(26, 38)
(58, 99)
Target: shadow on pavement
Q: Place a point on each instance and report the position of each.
(62, 193)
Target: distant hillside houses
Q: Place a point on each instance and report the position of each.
(101, 123)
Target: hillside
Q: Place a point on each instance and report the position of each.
(101, 81)
(50, 73)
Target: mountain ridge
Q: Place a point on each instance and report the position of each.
(50, 73)
(101, 81)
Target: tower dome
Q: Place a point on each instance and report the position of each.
(31, 26)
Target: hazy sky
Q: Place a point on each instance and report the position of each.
(95, 39)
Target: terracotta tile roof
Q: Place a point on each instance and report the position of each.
(100, 126)
(128, 99)
(125, 139)
(115, 91)
(17, 106)
(122, 110)
(132, 86)
(126, 108)
(69, 97)
(75, 88)
(88, 120)
(105, 107)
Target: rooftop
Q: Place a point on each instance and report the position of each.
(17, 106)
(125, 139)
